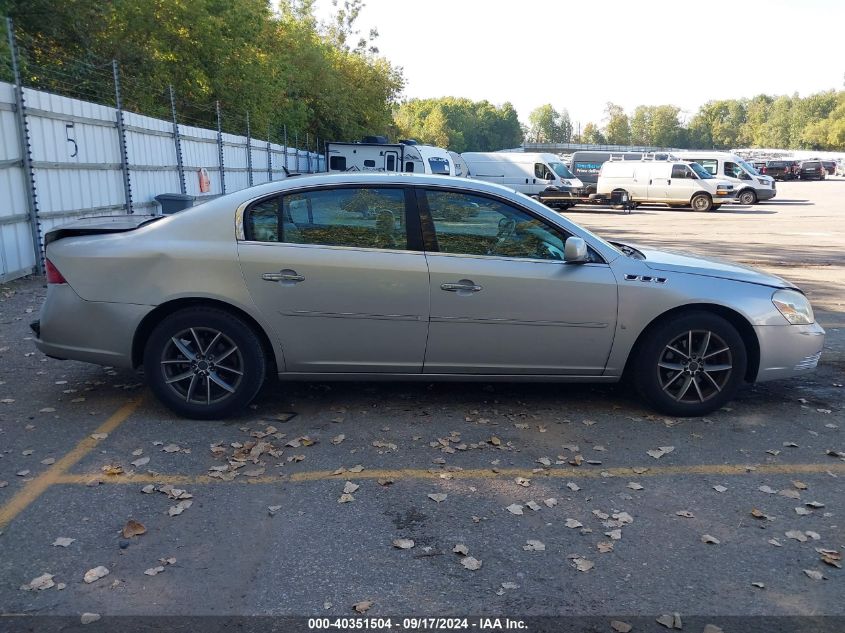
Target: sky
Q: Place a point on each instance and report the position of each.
(580, 55)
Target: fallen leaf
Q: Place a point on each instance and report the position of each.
(759, 585)
(614, 534)
(775, 542)
(345, 498)
(141, 461)
(171, 448)
(533, 505)
(660, 451)
(273, 509)
(758, 514)
(152, 571)
(814, 504)
(438, 496)
(790, 494)
(797, 535)
(99, 436)
(670, 621)
(813, 535)
(95, 574)
(604, 546)
(634, 485)
(545, 461)
(112, 469)
(800, 485)
(337, 439)
(573, 486)
(573, 523)
(534, 546)
(719, 488)
(815, 575)
(133, 528)
(510, 585)
(712, 628)
(767, 490)
(349, 488)
(363, 606)
(180, 507)
(148, 489)
(513, 508)
(44, 581)
(23, 473)
(551, 502)
(63, 541)
(384, 482)
(471, 563)
(620, 627)
(582, 564)
(706, 538)
(356, 469)
(403, 543)
(461, 549)
(49, 461)
(686, 514)
(88, 618)
(522, 481)
(639, 470)
(495, 441)
(801, 511)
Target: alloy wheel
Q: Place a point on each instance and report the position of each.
(695, 366)
(202, 365)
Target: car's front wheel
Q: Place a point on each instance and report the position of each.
(204, 363)
(747, 197)
(690, 365)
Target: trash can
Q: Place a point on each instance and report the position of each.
(174, 202)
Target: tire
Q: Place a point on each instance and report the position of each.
(677, 383)
(701, 202)
(204, 363)
(747, 197)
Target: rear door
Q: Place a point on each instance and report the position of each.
(336, 273)
(503, 301)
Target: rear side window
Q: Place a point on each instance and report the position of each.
(359, 217)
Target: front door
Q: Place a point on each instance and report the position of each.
(332, 271)
(502, 299)
(681, 186)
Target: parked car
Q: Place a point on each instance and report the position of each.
(288, 278)
(840, 167)
(675, 183)
(829, 167)
(812, 170)
(779, 169)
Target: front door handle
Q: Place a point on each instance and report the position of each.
(463, 286)
(284, 276)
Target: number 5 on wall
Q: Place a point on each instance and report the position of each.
(68, 128)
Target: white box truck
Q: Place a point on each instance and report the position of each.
(527, 172)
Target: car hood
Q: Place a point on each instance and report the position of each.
(670, 261)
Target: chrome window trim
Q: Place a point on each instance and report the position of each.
(363, 249)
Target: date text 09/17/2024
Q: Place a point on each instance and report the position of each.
(417, 624)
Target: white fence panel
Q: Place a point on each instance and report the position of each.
(17, 254)
(151, 153)
(199, 149)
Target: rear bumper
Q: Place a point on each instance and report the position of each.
(90, 331)
(788, 350)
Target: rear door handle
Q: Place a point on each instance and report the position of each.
(286, 275)
(464, 285)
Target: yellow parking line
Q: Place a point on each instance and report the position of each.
(836, 468)
(35, 488)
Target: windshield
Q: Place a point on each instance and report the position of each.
(700, 171)
(561, 170)
(748, 168)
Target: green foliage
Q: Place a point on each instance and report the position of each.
(592, 134)
(282, 67)
(547, 125)
(617, 130)
(458, 124)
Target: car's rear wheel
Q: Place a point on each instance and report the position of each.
(204, 363)
(747, 197)
(701, 202)
(690, 365)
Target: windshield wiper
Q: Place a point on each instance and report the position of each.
(629, 251)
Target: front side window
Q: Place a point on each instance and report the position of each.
(735, 171)
(681, 171)
(466, 224)
(542, 172)
(700, 171)
(354, 216)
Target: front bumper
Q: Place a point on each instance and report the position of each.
(766, 194)
(90, 331)
(788, 350)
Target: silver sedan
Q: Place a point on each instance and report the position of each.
(406, 277)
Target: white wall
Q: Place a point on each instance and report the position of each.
(77, 168)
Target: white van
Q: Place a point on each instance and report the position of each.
(672, 182)
(405, 156)
(750, 186)
(528, 173)
(461, 168)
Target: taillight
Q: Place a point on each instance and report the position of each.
(53, 274)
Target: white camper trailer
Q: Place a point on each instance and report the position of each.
(405, 156)
(526, 172)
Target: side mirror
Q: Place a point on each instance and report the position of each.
(575, 251)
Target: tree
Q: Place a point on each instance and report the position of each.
(617, 129)
(592, 134)
(544, 125)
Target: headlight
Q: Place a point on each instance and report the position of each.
(764, 181)
(794, 307)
